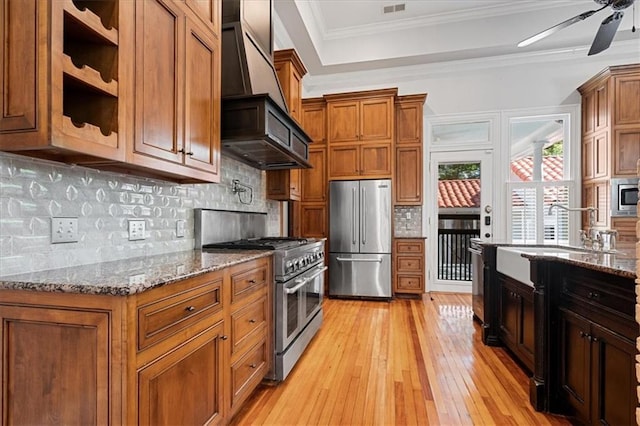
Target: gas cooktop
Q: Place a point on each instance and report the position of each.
(267, 243)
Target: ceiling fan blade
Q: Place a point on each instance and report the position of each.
(606, 33)
(558, 27)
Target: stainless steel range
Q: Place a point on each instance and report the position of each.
(298, 266)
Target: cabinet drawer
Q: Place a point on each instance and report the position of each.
(249, 369)
(410, 282)
(598, 296)
(247, 322)
(166, 316)
(409, 264)
(409, 246)
(248, 279)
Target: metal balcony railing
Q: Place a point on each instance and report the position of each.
(454, 259)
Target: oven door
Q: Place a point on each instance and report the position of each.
(297, 301)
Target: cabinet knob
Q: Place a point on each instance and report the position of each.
(223, 337)
(182, 151)
(190, 308)
(252, 281)
(252, 321)
(252, 365)
(593, 295)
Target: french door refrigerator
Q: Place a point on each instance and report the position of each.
(360, 238)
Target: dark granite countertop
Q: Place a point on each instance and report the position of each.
(129, 276)
(622, 262)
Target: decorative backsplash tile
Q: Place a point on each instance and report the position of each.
(32, 191)
(407, 221)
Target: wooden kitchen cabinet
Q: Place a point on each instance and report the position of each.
(89, 92)
(626, 227)
(596, 368)
(63, 84)
(314, 180)
(408, 155)
(189, 352)
(57, 361)
(178, 56)
(314, 120)
(408, 261)
(516, 319)
(360, 134)
(285, 185)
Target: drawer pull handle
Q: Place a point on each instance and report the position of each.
(190, 308)
(593, 295)
(252, 321)
(223, 337)
(252, 365)
(252, 281)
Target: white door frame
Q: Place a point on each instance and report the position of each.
(485, 157)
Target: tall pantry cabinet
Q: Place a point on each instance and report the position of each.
(610, 141)
(117, 85)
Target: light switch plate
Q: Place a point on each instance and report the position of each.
(64, 230)
(136, 230)
(180, 228)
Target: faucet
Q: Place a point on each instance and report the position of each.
(590, 237)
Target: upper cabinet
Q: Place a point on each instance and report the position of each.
(408, 155)
(360, 134)
(284, 185)
(125, 86)
(177, 55)
(314, 120)
(611, 123)
(61, 81)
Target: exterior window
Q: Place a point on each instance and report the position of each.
(538, 180)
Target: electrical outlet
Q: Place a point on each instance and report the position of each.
(64, 230)
(137, 279)
(408, 215)
(136, 230)
(180, 231)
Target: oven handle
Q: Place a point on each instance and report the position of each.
(302, 281)
(346, 259)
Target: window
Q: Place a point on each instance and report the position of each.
(538, 179)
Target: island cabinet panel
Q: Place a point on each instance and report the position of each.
(517, 319)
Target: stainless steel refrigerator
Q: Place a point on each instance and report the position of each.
(360, 238)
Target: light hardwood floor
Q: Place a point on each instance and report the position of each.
(395, 363)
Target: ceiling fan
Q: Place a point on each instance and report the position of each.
(605, 33)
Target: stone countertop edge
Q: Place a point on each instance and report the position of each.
(129, 276)
(625, 266)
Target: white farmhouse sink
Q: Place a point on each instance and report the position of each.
(510, 262)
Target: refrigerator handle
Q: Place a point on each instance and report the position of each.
(363, 216)
(353, 216)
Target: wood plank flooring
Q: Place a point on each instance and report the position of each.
(413, 362)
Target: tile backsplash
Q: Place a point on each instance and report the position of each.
(407, 221)
(32, 191)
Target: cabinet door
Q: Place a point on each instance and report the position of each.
(626, 227)
(208, 10)
(19, 73)
(409, 123)
(55, 366)
(376, 119)
(344, 162)
(185, 387)
(627, 100)
(614, 385)
(159, 67)
(588, 112)
(202, 100)
(526, 338)
(601, 155)
(575, 363)
(408, 182)
(283, 185)
(314, 220)
(314, 121)
(626, 152)
(344, 121)
(375, 160)
(413, 284)
(509, 311)
(601, 107)
(602, 202)
(587, 158)
(314, 180)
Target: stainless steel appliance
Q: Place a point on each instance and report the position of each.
(477, 280)
(624, 197)
(360, 238)
(298, 266)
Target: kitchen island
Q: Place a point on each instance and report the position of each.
(573, 326)
(180, 338)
